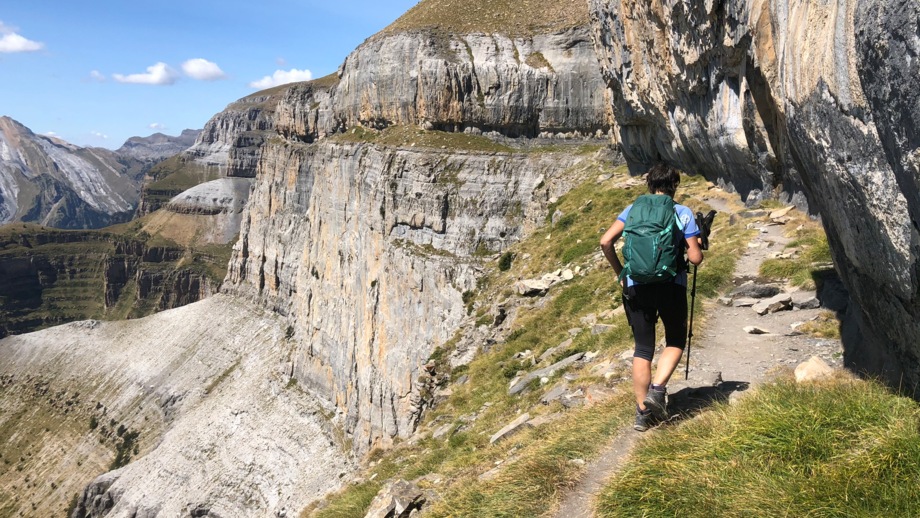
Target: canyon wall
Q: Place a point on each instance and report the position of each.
(368, 247)
(790, 99)
(368, 250)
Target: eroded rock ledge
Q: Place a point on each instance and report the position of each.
(790, 98)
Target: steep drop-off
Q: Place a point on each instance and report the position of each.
(366, 224)
(368, 250)
(49, 277)
(785, 99)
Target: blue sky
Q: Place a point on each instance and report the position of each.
(96, 73)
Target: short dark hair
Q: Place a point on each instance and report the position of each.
(663, 178)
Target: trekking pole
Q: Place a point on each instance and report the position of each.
(690, 332)
(704, 224)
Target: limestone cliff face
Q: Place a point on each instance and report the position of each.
(541, 85)
(368, 250)
(789, 97)
(231, 140)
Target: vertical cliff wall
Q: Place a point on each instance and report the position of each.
(368, 249)
(778, 98)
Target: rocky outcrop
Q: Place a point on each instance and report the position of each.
(787, 99)
(368, 250)
(232, 139)
(223, 196)
(541, 85)
(48, 181)
(229, 146)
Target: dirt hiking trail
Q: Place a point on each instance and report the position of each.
(725, 359)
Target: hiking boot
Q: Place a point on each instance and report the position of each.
(644, 420)
(655, 401)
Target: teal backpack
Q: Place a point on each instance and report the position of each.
(654, 248)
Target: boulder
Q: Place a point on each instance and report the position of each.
(755, 291)
(813, 369)
(520, 383)
(573, 399)
(553, 350)
(599, 329)
(532, 287)
(805, 300)
(781, 213)
(780, 302)
(521, 423)
(554, 394)
(396, 500)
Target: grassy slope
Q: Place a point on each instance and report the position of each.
(509, 17)
(533, 467)
(843, 447)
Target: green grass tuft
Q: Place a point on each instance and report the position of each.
(839, 448)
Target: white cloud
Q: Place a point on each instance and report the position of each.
(159, 74)
(157, 126)
(97, 134)
(203, 70)
(13, 42)
(281, 62)
(50, 134)
(281, 77)
(97, 76)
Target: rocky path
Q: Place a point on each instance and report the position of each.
(725, 360)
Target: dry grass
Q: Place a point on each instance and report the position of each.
(512, 18)
(843, 447)
(532, 470)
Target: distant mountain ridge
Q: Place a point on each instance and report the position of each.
(51, 182)
(158, 146)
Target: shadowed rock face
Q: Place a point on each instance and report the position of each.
(790, 99)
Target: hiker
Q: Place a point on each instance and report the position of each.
(655, 287)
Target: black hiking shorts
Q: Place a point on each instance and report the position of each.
(645, 303)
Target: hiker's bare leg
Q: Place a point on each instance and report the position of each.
(667, 363)
(642, 375)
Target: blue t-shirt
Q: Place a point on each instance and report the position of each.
(686, 221)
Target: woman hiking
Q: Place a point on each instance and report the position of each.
(654, 281)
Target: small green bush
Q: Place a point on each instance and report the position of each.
(504, 262)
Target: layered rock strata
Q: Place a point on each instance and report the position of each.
(368, 250)
(541, 85)
(787, 97)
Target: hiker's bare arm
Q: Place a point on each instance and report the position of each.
(607, 245)
(694, 252)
